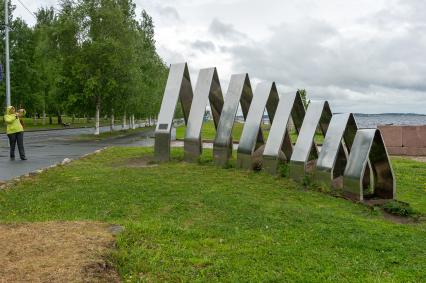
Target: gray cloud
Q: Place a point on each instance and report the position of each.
(225, 31)
(383, 70)
(168, 12)
(368, 60)
(399, 13)
(203, 45)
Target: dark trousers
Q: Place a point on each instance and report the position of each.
(17, 138)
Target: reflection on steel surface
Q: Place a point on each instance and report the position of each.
(359, 156)
(278, 147)
(207, 89)
(251, 141)
(335, 148)
(178, 87)
(369, 145)
(239, 92)
(305, 150)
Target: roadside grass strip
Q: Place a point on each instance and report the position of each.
(196, 222)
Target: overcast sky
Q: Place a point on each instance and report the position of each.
(361, 55)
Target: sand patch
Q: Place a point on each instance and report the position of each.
(56, 252)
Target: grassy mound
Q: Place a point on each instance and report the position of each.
(191, 222)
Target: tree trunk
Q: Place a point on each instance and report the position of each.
(50, 120)
(133, 122)
(44, 118)
(59, 119)
(123, 126)
(98, 111)
(112, 122)
(35, 119)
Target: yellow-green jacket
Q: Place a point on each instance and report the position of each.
(12, 122)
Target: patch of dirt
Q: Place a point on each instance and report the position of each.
(138, 162)
(56, 252)
(399, 219)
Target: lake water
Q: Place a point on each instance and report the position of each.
(373, 120)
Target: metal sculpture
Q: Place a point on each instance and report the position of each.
(337, 144)
(178, 87)
(239, 92)
(279, 147)
(207, 89)
(305, 150)
(368, 145)
(251, 142)
(349, 157)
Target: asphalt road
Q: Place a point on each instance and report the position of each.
(45, 148)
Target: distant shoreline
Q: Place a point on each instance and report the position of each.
(396, 114)
(374, 120)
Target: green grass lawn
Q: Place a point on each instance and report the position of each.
(208, 132)
(195, 222)
(411, 182)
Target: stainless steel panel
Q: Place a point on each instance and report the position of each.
(333, 156)
(305, 150)
(239, 92)
(298, 112)
(297, 116)
(207, 89)
(369, 145)
(278, 146)
(178, 87)
(368, 158)
(265, 96)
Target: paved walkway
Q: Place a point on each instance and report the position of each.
(45, 148)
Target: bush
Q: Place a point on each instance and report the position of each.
(283, 169)
(399, 208)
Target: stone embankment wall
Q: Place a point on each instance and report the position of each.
(405, 140)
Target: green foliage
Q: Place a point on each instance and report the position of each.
(307, 180)
(398, 208)
(304, 97)
(283, 169)
(87, 52)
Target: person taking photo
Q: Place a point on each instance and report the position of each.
(15, 131)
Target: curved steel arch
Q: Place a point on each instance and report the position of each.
(239, 92)
(305, 150)
(207, 89)
(265, 96)
(279, 142)
(178, 87)
(368, 145)
(356, 154)
(334, 152)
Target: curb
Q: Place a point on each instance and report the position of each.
(8, 184)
